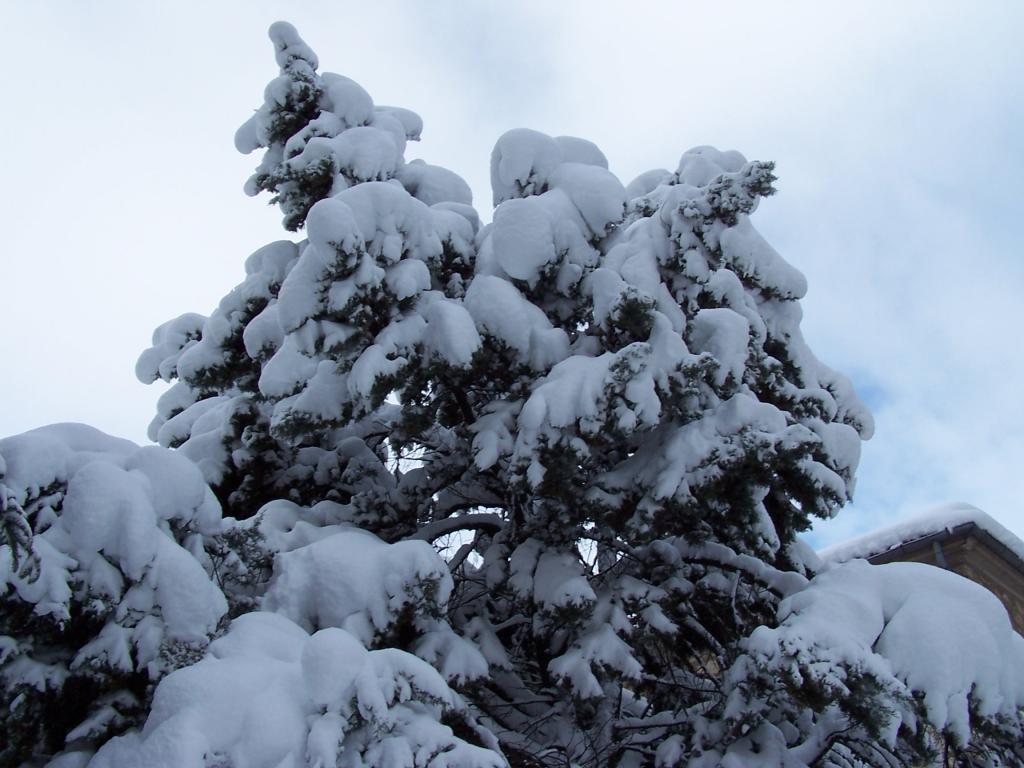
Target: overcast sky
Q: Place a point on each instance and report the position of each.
(897, 129)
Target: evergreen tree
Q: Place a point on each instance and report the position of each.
(322, 136)
(658, 419)
(103, 591)
(601, 409)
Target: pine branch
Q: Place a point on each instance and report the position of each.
(16, 532)
(438, 528)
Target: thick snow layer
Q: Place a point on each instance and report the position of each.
(944, 518)
(724, 334)
(264, 269)
(433, 184)
(526, 163)
(287, 370)
(347, 99)
(647, 182)
(296, 60)
(553, 580)
(391, 222)
(521, 162)
(170, 340)
(104, 508)
(371, 239)
(700, 165)
(752, 257)
(407, 278)
(289, 46)
(523, 237)
(199, 432)
(501, 311)
(353, 237)
(598, 196)
(451, 333)
(199, 351)
(355, 581)
(556, 200)
(616, 390)
(108, 587)
(411, 122)
(360, 154)
(688, 452)
(323, 135)
(599, 648)
(915, 628)
(283, 526)
(268, 695)
(328, 572)
(577, 150)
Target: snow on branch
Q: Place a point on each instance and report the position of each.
(438, 528)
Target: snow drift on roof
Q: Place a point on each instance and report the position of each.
(944, 518)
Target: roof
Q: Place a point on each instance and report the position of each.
(942, 521)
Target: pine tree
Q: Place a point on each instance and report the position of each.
(103, 591)
(657, 437)
(599, 407)
(322, 135)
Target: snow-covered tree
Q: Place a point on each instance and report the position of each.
(323, 137)
(102, 591)
(657, 437)
(899, 664)
(600, 410)
(269, 694)
(319, 676)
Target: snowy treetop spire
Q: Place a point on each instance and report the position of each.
(289, 47)
(381, 233)
(322, 133)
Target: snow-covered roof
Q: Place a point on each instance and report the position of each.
(945, 518)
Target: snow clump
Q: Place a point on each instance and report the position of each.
(269, 695)
(108, 591)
